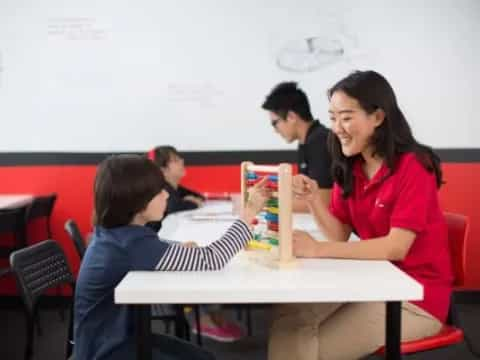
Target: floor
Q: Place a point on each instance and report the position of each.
(50, 344)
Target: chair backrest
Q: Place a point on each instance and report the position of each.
(13, 221)
(73, 231)
(41, 206)
(39, 267)
(458, 229)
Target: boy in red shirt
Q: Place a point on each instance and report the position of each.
(386, 192)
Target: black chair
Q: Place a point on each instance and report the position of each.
(73, 231)
(12, 221)
(42, 207)
(38, 268)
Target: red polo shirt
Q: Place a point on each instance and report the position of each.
(403, 198)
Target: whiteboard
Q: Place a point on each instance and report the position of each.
(125, 76)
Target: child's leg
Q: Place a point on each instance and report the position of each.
(294, 330)
(358, 329)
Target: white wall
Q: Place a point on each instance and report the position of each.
(117, 75)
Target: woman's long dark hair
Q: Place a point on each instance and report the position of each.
(392, 138)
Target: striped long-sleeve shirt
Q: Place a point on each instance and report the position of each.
(212, 257)
(103, 328)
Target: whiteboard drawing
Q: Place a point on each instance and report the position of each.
(316, 45)
(309, 54)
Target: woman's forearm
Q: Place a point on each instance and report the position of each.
(393, 247)
(330, 226)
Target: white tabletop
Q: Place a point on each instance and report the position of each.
(243, 281)
(13, 201)
(210, 222)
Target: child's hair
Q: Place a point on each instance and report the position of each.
(162, 155)
(124, 185)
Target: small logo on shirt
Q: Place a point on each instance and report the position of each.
(379, 204)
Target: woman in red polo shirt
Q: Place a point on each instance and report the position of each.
(386, 192)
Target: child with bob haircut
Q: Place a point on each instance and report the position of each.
(129, 191)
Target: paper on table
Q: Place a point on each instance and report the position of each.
(214, 216)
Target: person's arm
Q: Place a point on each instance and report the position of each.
(216, 255)
(415, 189)
(393, 247)
(176, 203)
(183, 191)
(330, 225)
(301, 205)
(307, 190)
(212, 257)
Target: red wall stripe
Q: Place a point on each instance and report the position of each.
(74, 184)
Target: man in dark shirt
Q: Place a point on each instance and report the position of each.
(290, 116)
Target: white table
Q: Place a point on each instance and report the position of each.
(14, 201)
(242, 281)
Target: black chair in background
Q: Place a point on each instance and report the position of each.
(73, 231)
(38, 268)
(12, 221)
(42, 207)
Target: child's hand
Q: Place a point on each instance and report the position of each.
(190, 244)
(257, 197)
(303, 187)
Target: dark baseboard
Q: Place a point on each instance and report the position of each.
(465, 155)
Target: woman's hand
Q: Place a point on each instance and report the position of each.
(304, 188)
(304, 245)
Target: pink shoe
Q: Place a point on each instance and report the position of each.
(235, 330)
(214, 332)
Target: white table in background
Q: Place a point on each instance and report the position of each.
(242, 281)
(10, 201)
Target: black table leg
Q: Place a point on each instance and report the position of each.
(393, 330)
(196, 309)
(143, 332)
(180, 322)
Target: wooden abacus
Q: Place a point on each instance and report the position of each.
(283, 186)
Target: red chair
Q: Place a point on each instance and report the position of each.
(450, 334)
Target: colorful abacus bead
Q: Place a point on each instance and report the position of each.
(271, 217)
(272, 226)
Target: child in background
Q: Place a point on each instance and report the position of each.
(213, 322)
(130, 191)
(173, 169)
